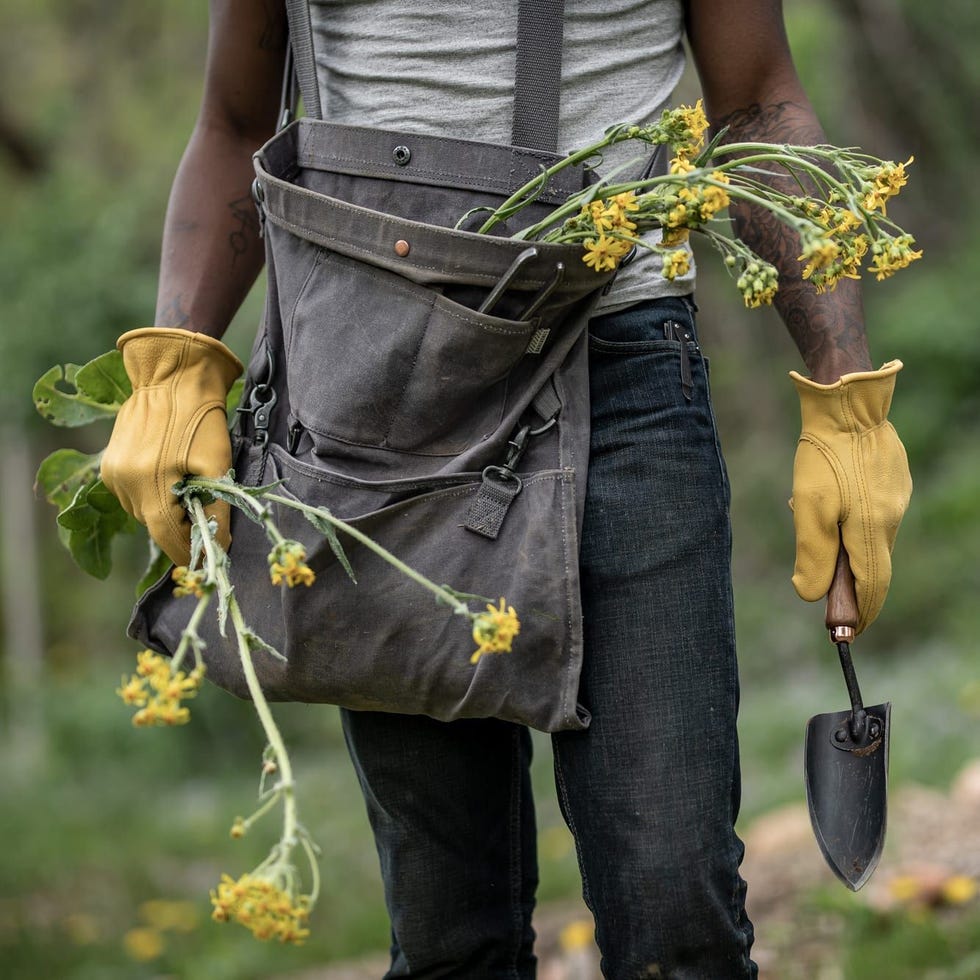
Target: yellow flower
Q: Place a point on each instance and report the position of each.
(494, 630)
(681, 165)
(677, 216)
(686, 126)
(597, 213)
(577, 935)
(713, 199)
(758, 284)
(164, 915)
(149, 664)
(904, 888)
(675, 236)
(262, 907)
(143, 944)
(189, 582)
(602, 253)
(287, 563)
(893, 254)
(959, 889)
(133, 691)
(886, 181)
(676, 264)
(618, 218)
(627, 201)
(157, 690)
(818, 253)
(171, 713)
(238, 828)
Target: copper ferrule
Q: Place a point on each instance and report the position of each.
(842, 634)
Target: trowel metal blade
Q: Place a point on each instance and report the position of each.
(846, 792)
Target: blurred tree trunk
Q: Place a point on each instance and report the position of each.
(23, 643)
(18, 146)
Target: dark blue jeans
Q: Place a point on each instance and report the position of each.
(651, 790)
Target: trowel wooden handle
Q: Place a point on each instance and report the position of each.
(842, 607)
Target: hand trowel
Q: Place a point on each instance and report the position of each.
(846, 757)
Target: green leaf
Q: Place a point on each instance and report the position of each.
(92, 520)
(330, 533)
(234, 396)
(156, 568)
(100, 388)
(64, 472)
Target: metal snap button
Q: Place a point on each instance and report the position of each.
(401, 155)
(402, 247)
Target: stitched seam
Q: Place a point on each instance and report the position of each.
(835, 464)
(396, 412)
(318, 259)
(419, 293)
(321, 238)
(163, 492)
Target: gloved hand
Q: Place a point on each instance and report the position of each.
(173, 424)
(850, 470)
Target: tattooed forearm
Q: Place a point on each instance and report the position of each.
(171, 313)
(828, 329)
(240, 240)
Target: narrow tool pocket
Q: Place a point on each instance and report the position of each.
(375, 360)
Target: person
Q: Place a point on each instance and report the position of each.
(651, 790)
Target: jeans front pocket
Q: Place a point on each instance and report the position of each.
(376, 360)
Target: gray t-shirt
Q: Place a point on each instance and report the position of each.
(447, 68)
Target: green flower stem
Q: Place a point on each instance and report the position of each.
(311, 857)
(189, 633)
(273, 799)
(444, 595)
(218, 568)
(517, 200)
(249, 502)
(286, 787)
(786, 158)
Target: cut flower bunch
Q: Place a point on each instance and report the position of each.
(838, 207)
(838, 210)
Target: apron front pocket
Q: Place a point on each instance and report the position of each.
(376, 360)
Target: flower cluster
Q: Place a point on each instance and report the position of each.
(287, 563)
(758, 283)
(892, 255)
(840, 218)
(883, 182)
(494, 630)
(684, 128)
(190, 582)
(157, 689)
(263, 907)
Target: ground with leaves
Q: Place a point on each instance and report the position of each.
(805, 921)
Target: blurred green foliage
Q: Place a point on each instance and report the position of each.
(96, 101)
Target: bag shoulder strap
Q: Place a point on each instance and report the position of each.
(537, 77)
(537, 74)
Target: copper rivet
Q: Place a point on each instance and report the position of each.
(402, 247)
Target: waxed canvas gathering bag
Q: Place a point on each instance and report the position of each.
(429, 385)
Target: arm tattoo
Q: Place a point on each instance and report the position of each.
(827, 329)
(243, 211)
(170, 313)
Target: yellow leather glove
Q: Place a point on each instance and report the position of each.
(173, 424)
(851, 471)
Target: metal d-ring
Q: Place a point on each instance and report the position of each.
(505, 474)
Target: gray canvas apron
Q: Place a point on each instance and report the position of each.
(456, 438)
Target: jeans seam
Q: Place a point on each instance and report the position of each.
(570, 820)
